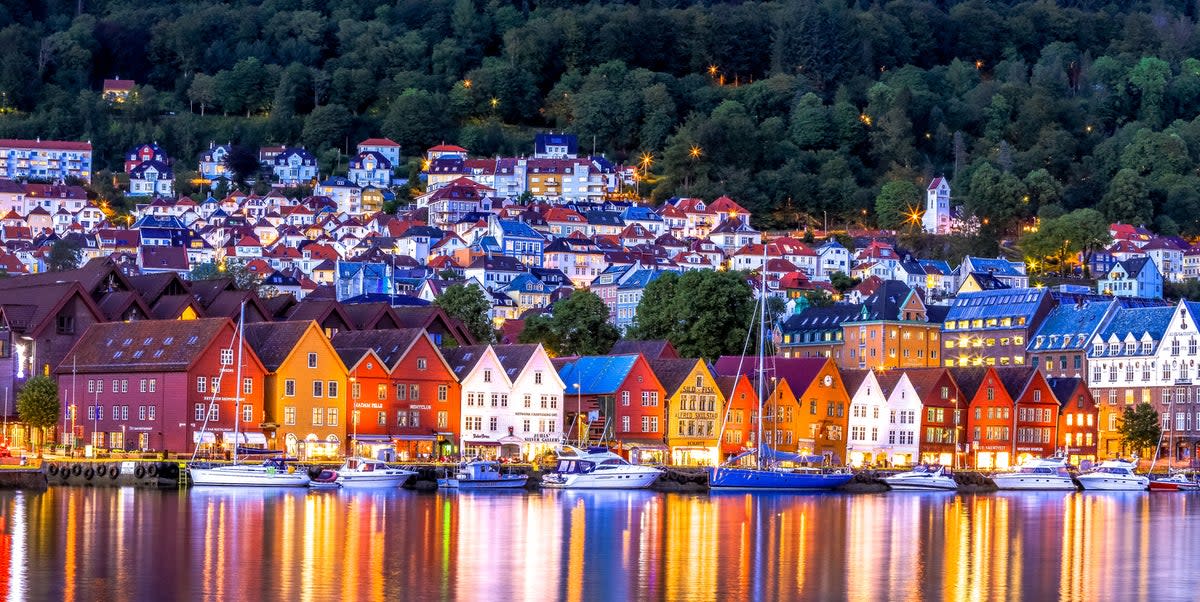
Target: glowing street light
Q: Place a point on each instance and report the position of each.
(695, 152)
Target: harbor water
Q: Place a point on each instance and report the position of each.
(75, 543)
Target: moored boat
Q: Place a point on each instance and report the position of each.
(1114, 475)
(483, 474)
(781, 471)
(327, 479)
(359, 473)
(597, 468)
(275, 472)
(1175, 482)
(1037, 474)
(923, 478)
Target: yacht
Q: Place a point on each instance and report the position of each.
(597, 468)
(923, 478)
(1038, 473)
(772, 472)
(1175, 482)
(360, 473)
(275, 472)
(1114, 475)
(483, 474)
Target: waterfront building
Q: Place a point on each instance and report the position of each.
(942, 423)
(1059, 346)
(867, 426)
(1077, 419)
(511, 400)
(989, 414)
(620, 400)
(740, 417)
(165, 385)
(893, 328)
(693, 410)
(305, 388)
(405, 394)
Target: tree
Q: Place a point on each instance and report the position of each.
(64, 255)
(1139, 428)
(38, 405)
(469, 304)
(203, 91)
(242, 163)
(243, 279)
(326, 126)
(1080, 232)
(896, 203)
(842, 283)
(702, 313)
(578, 325)
(1127, 199)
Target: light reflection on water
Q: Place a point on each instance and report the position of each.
(86, 544)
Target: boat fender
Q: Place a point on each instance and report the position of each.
(114, 472)
(291, 469)
(52, 470)
(140, 471)
(89, 473)
(152, 470)
(65, 471)
(77, 470)
(102, 470)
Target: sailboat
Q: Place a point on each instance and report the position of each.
(1174, 481)
(765, 468)
(274, 472)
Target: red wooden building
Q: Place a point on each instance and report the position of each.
(622, 400)
(162, 385)
(422, 400)
(1078, 419)
(942, 414)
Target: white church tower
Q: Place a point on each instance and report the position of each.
(937, 207)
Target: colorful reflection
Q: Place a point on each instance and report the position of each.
(126, 544)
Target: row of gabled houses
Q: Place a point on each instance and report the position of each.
(181, 385)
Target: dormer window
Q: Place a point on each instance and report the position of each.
(1114, 348)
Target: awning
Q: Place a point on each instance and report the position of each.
(467, 442)
(204, 437)
(511, 440)
(247, 438)
(415, 437)
(641, 444)
(361, 438)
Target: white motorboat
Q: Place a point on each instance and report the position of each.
(483, 474)
(275, 472)
(1114, 475)
(366, 472)
(597, 468)
(923, 478)
(1038, 473)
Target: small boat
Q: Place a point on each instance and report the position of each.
(597, 468)
(1037, 474)
(483, 474)
(923, 478)
(1175, 482)
(1114, 475)
(366, 472)
(275, 472)
(326, 480)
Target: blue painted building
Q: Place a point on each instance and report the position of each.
(992, 328)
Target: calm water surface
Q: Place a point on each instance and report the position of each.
(92, 544)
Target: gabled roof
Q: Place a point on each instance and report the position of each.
(597, 375)
(968, 380)
(656, 349)
(273, 342)
(672, 372)
(800, 372)
(462, 360)
(1138, 321)
(514, 358)
(143, 346)
(389, 345)
(1064, 388)
(1070, 326)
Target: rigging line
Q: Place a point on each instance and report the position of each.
(212, 401)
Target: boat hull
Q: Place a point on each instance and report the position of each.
(769, 480)
(1173, 486)
(505, 483)
(930, 484)
(1012, 483)
(373, 481)
(230, 476)
(638, 480)
(1113, 484)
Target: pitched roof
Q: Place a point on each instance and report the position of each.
(142, 346)
(968, 380)
(596, 375)
(1064, 388)
(273, 341)
(656, 349)
(672, 372)
(389, 344)
(463, 359)
(1070, 326)
(514, 357)
(799, 372)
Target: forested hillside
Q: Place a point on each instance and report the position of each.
(794, 108)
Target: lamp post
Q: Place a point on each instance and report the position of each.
(354, 413)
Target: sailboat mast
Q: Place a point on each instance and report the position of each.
(237, 379)
(762, 336)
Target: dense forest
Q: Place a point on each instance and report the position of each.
(798, 109)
